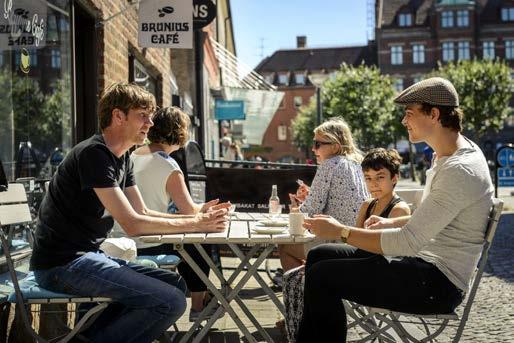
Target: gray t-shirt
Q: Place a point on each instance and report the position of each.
(447, 229)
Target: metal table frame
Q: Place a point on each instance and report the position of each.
(239, 232)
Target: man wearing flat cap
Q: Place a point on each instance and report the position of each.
(436, 249)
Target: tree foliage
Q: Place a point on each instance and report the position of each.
(485, 89)
(361, 96)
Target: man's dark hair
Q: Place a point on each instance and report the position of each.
(379, 158)
(123, 96)
(450, 117)
(170, 126)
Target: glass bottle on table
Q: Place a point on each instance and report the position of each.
(274, 203)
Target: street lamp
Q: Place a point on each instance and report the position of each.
(317, 80)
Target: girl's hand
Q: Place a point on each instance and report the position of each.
(376, 222)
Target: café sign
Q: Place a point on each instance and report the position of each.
(23, 24)
(166, 24)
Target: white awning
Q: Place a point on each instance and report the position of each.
(240, 82)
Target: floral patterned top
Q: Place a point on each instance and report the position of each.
(338, 190)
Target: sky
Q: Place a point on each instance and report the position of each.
(274, 24)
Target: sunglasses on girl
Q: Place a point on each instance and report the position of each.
(317, 144)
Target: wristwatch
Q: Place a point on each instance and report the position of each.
(345, 233)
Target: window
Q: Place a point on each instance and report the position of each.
(398, 84)
(298, 101)
(405, 19)
(508, 14)
(396, 54)
(463, 50)
(299, 78)
(417, 78)
(268, 78)
(448, 51)
(418, 54)
(282, 133)
(55, 58)
(283, 79)
(488, 49)
(447, 19)
(142, 77)
(462, 18)
(1, 58)
(509, 49)
(33, 57)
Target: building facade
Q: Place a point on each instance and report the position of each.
(412, 37)
(52, 76)
(291, 71)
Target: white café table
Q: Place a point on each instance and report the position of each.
(239, 232)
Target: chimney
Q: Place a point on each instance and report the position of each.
(301, 42)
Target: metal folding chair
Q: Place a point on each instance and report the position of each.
(389, 326)
(14, 210)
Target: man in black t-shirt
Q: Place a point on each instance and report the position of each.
(92, 187)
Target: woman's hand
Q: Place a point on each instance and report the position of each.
(302, 192)
(323, 226)
(214, 220)
(214, 205)
(376, 222)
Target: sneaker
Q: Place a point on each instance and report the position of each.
(278, 279)
(194, 315)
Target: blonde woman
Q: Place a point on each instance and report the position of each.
(338, 190)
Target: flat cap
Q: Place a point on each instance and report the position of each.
(433, 91)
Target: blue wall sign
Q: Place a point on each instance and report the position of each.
(229, 110)
(505, 171)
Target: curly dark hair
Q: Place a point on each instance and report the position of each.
(450, 117)
(170, 126)
(379, 158)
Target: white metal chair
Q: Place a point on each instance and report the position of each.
(387, 326)
(411, 196)
(14, 210)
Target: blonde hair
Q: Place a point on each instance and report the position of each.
(337, 131)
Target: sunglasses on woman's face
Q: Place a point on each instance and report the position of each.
(317, 144)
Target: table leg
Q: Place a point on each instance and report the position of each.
(217, 294)
(261, 282)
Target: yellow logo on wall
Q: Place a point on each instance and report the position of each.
(25, 61)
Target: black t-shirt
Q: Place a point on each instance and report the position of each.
(72, 220)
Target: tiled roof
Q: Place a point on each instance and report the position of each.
(316, 59)
(420, 9)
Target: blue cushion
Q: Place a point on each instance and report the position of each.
(31, 290)
(161, 259)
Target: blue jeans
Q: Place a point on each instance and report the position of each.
(146, 301)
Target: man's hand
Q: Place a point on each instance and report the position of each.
(212, 221)
(376, 222)
(323, 226)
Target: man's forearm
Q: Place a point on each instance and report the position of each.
(148, 225)
(158, 214)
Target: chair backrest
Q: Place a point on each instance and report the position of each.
(492, 223)
(411, 195)
(14, 208)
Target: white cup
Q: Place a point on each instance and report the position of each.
(296, 224)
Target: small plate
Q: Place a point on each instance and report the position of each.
(273, 223)
(269, 230)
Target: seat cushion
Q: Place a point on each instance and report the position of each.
(161, 260)
(32, 290)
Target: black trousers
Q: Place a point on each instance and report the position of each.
(336, 271)
(194, 283)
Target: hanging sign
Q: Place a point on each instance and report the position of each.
(23, 24)
(166, 24)
(229, 110)
(204, 11)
